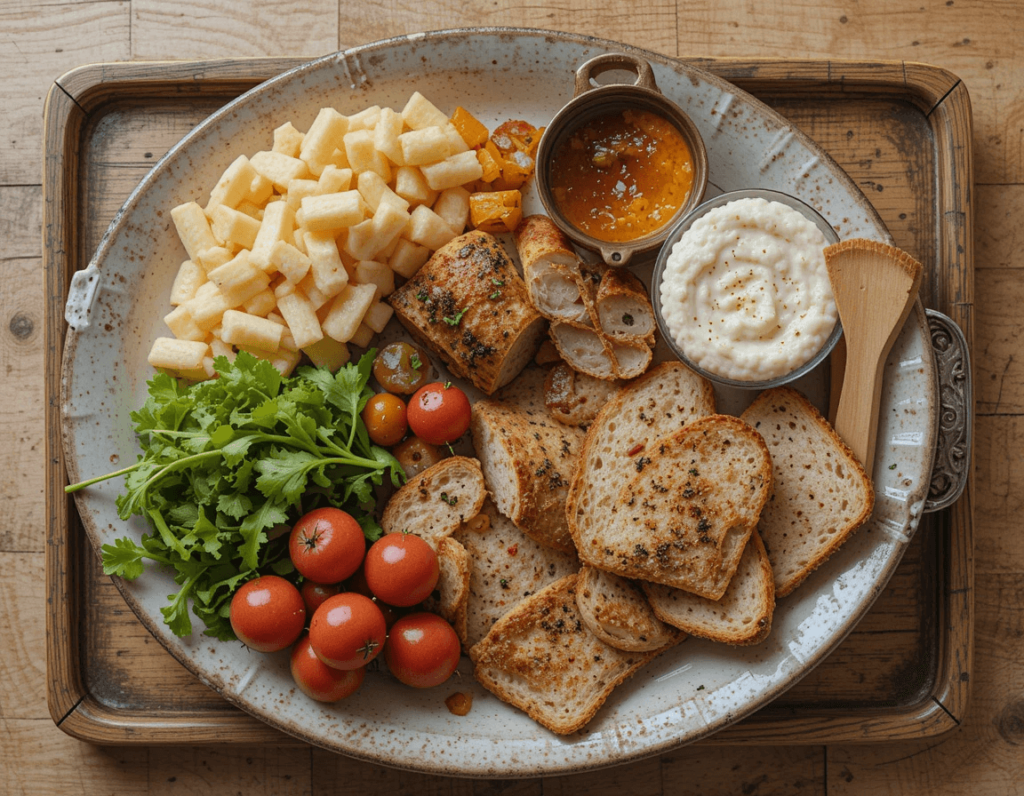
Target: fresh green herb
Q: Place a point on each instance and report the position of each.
(227, 463)
(497, 282)
(627, 319)
(495, 294)
(447, 385)
(700, 688)
(451, 501)
(454, 320)
(892, 466)
(414, 361)
(422, 296)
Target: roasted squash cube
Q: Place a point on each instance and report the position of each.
(496, 211)
(472, 131)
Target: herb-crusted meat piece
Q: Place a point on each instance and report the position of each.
(469, 305)
(541, 658)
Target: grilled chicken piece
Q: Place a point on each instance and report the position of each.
(469, 305)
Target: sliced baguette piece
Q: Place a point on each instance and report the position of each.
(436, 502)
(617, 612)
(584, 349)
(631, 357)
(550, 269)
(660, 402)
(623, 307)
(469, 305)
(452, 594)
(541, 658)
(686, 515)
(575, 398)
(821, 493)
(742, 616)
(527, 390)
(527, 460)
(508, 566)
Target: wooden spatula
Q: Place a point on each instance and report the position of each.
(875, 286)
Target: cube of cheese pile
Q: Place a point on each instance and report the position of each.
(297, 246)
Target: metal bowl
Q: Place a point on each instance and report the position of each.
(590, 101)
(666, 250)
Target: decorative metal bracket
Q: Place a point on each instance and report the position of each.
(952, 465)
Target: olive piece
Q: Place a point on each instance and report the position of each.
(415, 456)
(401, 368)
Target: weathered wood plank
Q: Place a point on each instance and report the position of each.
(294, 27)
(37, 47)
(999, 457)
(23, 664)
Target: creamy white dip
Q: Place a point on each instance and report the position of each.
(745, 292)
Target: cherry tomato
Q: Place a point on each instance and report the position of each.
(358, 584)
(314, 594)
(347, 631)
(385, 419)
(401, 368)
(401, 569)
(327, 545)
(423, 650)
(415, 456)
(267, 613)
(319, 681)
(439, 413)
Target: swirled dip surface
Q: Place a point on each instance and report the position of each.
(745, 292)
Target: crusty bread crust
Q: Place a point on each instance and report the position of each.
(575, 398)
(527, 459)
(821, 493)
(452, 594)
(624, 308)
(541, 658)
(743, 616)
(617, 612)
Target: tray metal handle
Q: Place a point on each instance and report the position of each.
(952, 465)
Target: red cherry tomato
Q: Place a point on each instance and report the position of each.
(314, 594)
(267, 613)
(422, 651)
(327, 545)
(319, 681)
(358, 584)
(439, 414)
(347, 631)
(401, 569)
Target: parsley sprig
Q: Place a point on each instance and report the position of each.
(227, 461)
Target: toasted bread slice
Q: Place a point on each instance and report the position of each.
(550, 269)
(617, 612)
(585, 349)
(527, 390)
(657, 404)
(436, 502)
(452, 594)
(742, 616)
(508, 566)
(821, 493)
(685, 516)
(631, 357)
(527, 460)
(541, 658)
(575, 398)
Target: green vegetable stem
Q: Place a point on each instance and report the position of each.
(226, 462)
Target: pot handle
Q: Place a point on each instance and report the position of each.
(952, 465)
(609, 61)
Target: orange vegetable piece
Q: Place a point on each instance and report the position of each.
(496, 211)
(491, 167)
(472, 131)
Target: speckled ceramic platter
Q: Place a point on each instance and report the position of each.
(115, 310)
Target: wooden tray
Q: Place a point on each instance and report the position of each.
(901, 130)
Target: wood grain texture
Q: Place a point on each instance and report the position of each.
(293, 27)
(978, 40)
(37, 48)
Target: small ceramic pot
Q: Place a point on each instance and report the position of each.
(590, 101)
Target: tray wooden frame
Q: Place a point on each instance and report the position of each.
(944, 555)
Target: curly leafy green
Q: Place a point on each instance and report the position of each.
(227, 462)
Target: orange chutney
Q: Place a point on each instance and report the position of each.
(622, 175)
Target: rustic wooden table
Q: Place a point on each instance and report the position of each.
(978, 41)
